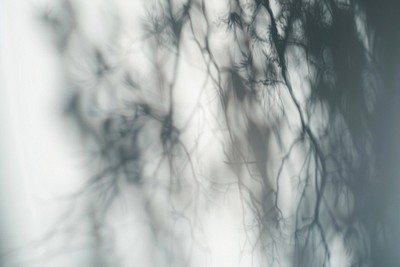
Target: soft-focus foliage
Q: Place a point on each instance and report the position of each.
(292, 104)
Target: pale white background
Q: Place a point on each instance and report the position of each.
(39, 156)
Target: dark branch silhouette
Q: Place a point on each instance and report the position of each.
(305, 95)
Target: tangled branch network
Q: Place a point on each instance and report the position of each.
(280, 115)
